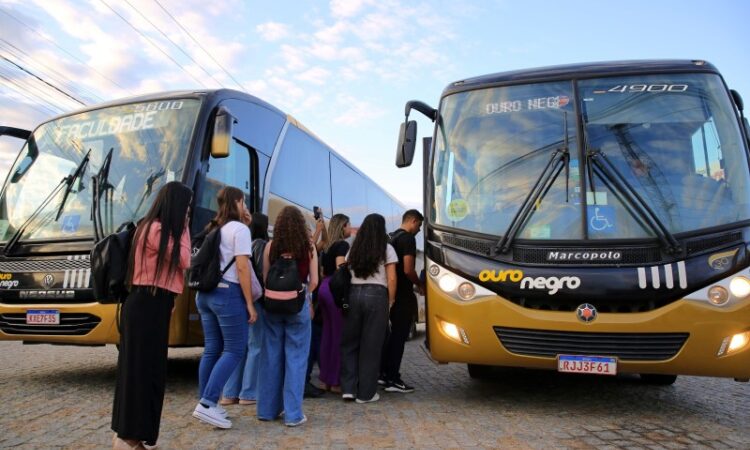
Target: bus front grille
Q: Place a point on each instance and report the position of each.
(71, 324)
(624, 346)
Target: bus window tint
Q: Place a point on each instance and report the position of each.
(302, 173)
(671, 138)
(234, 170)
(349, 193)
(492, 145)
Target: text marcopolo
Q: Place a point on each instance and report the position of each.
(584, 256)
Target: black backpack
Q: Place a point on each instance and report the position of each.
(204, 274)
(109, 264)
(284, 292)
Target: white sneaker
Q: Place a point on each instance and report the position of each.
(298, 423)
(347, 396)
(211, 416)
(220, 409)
(374, 398)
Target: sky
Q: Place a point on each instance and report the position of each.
(343, 68)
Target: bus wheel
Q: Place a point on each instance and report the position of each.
(658, 379)
(479, 371)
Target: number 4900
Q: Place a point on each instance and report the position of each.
(649, 88)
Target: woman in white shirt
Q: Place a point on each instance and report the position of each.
(372, 262)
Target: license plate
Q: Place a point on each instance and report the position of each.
(43, 317)
(596, 365)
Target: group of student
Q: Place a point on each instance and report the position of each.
(253, 355)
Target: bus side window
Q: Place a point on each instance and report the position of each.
(239, 169)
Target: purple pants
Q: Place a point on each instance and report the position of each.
(330, 341)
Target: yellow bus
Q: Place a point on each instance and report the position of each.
(590, 218)
(81, 176)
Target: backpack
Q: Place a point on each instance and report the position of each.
(204, 273)
(340, 282)
(109, 264)
(284, 291)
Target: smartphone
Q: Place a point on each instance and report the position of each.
(316, 212)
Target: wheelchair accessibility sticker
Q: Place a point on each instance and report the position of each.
(601, 219)
(71, 223)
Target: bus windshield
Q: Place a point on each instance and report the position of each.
(132, 151)
(671, 141)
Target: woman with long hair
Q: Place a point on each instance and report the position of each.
(227, 310)
(372, 262)
(242, 386)
(286, 337)
(159, 254)
(333, 319)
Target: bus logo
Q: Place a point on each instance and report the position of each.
(586, 313)
(721, 261)
(48, 280)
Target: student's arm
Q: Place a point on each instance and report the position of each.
(313, 283)
(185, 249)
(390, 273)
(243, 273)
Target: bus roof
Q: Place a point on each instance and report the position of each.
(198, 93)
(581, 70)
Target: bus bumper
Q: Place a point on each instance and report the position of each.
(80, 324)
(479, 331)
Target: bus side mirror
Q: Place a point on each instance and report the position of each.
(737, 99)
(222, 133)
(407, 142)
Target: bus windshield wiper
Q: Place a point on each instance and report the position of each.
(597, 162)
(101, 186)
(560, 159)
(67, 183)
(69, 180)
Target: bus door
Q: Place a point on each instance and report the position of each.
(240, 170)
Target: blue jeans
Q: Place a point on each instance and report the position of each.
(224, 319)
(283, 364)
(243, 383)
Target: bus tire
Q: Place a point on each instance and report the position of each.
(658, 379)
(479, 371)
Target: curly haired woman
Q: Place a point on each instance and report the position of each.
(286, 341)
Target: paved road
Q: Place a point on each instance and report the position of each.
(52, 397)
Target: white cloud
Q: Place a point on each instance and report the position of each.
(315, 75)
(272, 31)
(357, 111)
(293, 57)
(347, 8)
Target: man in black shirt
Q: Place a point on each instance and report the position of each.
(404, 310)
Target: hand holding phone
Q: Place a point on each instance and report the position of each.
(316, 213)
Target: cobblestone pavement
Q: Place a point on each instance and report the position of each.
(60, 397)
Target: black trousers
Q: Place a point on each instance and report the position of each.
(142, 364)
(402, 317)
(362, 339)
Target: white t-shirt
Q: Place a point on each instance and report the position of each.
(235, 241)
(380, 276)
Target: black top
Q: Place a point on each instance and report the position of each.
(339, 248)
(405, 244)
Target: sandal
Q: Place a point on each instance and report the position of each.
(229, 401)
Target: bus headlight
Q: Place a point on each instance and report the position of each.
(740, 287)
(718, 295)
(456, 286)
(454, 332)
(734, 343)
(466, 290)
(447, 283)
